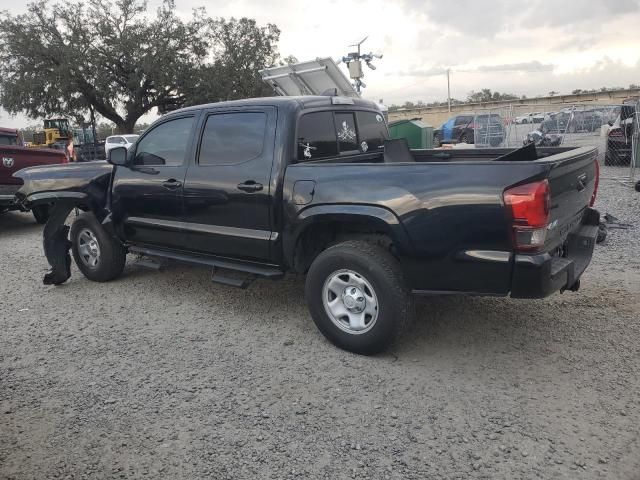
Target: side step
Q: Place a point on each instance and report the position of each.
(231, 278)
(152, 263)
(249, 268)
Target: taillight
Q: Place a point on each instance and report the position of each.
(595, 185)
(528, 206)
(616, 132)
(473, 126)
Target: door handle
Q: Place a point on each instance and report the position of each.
(172, 184)
(250, 186)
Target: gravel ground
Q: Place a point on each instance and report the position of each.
(165, 375)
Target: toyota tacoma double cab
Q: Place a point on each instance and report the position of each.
(313, 185)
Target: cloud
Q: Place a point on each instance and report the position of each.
(489, 18)
(422, 72)
(527, 67)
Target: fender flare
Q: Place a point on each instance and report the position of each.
(380, 217)
(78, 198)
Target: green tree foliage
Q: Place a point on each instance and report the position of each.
(241, 49)
(123, 61)
(486, 95)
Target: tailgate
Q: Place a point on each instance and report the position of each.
(572, 181)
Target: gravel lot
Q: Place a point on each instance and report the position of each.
(166, 375)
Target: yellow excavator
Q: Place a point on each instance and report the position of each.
(56, 134)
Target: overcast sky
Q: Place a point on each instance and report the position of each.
(526, 47)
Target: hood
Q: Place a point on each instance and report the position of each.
(47, 183)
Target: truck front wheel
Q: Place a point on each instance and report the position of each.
(98, 255)
(357, 297)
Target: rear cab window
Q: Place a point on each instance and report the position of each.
(327, 134)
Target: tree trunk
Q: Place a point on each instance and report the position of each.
(127, 125)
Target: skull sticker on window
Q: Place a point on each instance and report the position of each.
(346, 134)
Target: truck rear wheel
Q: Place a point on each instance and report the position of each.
(358, 298)
(98, 255)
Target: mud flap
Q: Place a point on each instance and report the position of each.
(56, 244)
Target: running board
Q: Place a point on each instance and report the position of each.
(232, 281)
(255, 269)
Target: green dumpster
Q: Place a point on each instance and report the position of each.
(418, 134)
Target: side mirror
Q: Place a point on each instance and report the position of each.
(118, 156)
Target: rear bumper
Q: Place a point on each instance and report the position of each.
(540, 275)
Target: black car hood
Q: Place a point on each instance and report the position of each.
(48, 183)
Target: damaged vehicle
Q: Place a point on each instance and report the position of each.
(541, 139)
(313, 185)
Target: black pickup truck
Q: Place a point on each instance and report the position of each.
(313, 185)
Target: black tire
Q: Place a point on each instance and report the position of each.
(112, 255)
(464, 138)
(395, 309)
(495, 141)
(436, 141)
(41, 213)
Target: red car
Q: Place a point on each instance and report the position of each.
(15, 156)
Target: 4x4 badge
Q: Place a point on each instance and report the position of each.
(7, 162)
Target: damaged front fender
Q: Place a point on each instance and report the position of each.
(83, 185)
(65, 187)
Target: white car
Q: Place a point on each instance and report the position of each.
(119, 141)
(520, 119)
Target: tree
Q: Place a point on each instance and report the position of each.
(63, 59)
(486, 95)
(242, 48)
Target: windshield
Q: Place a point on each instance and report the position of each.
(59, 123)
(8, 140)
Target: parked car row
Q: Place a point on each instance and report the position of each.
(484, 129)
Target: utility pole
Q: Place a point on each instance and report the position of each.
(449, 89)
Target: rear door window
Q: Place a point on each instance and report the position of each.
(232, 138)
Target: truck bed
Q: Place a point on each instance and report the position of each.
(449, 207)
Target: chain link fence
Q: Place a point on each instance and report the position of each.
(614, 129)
